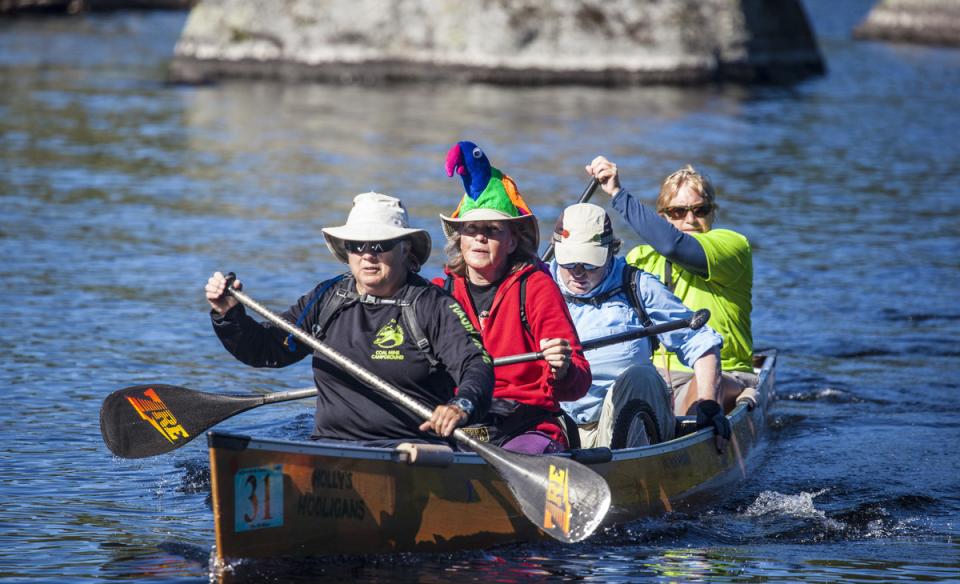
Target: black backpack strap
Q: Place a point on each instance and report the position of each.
(323, 321)
(523, 303)
(633, 295)
(408, 314)
(343, 295)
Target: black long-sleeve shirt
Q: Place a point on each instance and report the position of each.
(675, 245)
(372, 336)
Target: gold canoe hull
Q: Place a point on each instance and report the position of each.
(276, 498)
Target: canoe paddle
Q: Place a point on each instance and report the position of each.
(587, 193)
(149, 420)
(696, 321)
(562, 497)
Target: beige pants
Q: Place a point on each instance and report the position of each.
(733, 381)
(640, 383)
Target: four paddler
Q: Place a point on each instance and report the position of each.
(437, 349)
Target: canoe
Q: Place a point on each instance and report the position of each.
(275, 498)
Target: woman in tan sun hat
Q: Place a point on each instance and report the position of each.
(494, 273)
(382, 316)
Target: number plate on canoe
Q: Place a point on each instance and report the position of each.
(259, 497)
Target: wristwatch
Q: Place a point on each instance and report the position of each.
(465, 405)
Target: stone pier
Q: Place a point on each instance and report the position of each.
(932, 22)
(16, 7)
(517, 42)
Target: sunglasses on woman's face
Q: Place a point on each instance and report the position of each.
(675, 213)
(490, 230)
(580, 265)
(362, 247)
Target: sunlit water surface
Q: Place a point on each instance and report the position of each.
(120, 194)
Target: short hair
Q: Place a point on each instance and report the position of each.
(410, 256)
(687, 176)
(525, 254)
(614, 246)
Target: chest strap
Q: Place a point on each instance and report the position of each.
(628, 286)
(448, 286)
(345, 296)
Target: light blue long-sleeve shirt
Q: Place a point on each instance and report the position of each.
(616, 315)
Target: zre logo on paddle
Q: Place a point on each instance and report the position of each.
(160, 417)
(557, 508)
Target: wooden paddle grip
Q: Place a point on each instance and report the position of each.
(426, 454)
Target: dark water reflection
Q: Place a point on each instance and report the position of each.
(119, 194)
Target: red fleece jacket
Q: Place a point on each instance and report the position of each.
(503, 334)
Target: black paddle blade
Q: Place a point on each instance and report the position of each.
(559, 495)
(146, 420)
(699, 318)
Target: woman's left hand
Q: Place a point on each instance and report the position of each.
(444, 420)
(557, 352)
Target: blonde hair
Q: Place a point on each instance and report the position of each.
(525, 254)
(687, 176)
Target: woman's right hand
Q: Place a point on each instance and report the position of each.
(606, 174)
(216, 293)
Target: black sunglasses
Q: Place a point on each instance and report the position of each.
(489, 230)
(362, 247)
(585, 266)
(675, 213)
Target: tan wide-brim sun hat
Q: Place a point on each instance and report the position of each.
(377, 217)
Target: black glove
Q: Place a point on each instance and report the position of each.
(709, 413)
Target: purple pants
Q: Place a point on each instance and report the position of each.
(532, 443)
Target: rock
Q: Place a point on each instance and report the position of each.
(77, 6)
(518, 42)
(932, 22)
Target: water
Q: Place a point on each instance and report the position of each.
(120, 194)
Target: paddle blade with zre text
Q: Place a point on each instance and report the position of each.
(146, 420)
(562, 497)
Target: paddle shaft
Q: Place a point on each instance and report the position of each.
(696, 321)
(587, 193)
(373, 381)
(273, 398)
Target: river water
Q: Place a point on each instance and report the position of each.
(120, 194)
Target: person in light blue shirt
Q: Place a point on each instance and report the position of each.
(628, 403)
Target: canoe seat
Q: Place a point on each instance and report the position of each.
(748, 396)
(686, 425)
(591, 455)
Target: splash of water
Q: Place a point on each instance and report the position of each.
(799, 506)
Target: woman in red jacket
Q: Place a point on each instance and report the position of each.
(494, 273)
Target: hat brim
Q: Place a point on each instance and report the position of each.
(529, 222)
(580, 253)
(335, 236)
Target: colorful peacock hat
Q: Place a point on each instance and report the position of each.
(490, 195)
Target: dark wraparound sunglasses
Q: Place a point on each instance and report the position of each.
(362, 247)
(489, 230)
(587, 267)
(681, 212)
